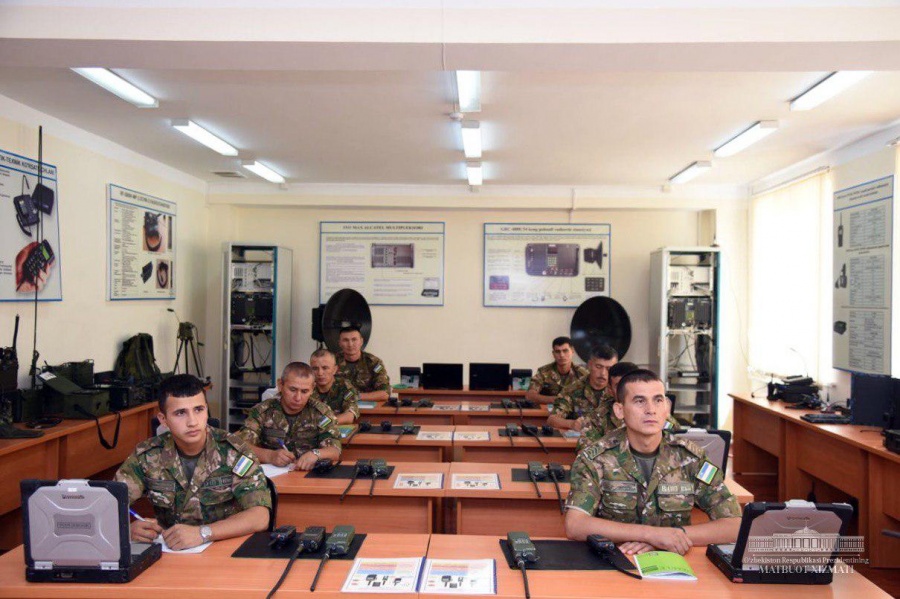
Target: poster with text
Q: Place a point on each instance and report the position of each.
(29, 231)
(141, 245)
(399, 263)
(545, 265)
(862, 236)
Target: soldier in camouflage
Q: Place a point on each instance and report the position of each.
(339, 395)
(551, 378)
(638, 484)
(576, 401)
(599, 422)
(363, 370)
(203, 483)
(291, 427)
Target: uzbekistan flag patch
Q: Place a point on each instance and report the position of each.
(707, 473)
(242, 466)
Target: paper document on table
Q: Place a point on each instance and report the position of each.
(434, 436)
(167, 549)
(485, 481)
(459, 577)
(472, 436)
(419, 480)
(388, 575)
(271, 470)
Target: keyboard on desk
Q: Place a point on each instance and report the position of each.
(826, 418)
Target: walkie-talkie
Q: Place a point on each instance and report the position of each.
(37, 260)
(362, 468)
(323, 465)
(365, 426)
(406, 402)
(338, 544)
(280, 537)
(605, 549)
(536, 472)
(524, 552)
(425, 403)
(557, 474)
(532, 431)
(386, 425)
(310, 541)
(506, 403)
(408, 428)
(379, 468)
(392, 402)
(547, 430)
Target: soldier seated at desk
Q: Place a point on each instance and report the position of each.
(203, 482)
(292, 427)
(587, 394)
(337, 394)
(638, 484)
(361, 369)
(551, 378)
(599, 422)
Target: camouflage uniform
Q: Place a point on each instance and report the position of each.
(216, 491)
(580, 399)
(267, 426)
(366, 374)
(607, 482)
(550, 376)
(342, 397)
(601, 421)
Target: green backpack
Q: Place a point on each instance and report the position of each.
(136, 363)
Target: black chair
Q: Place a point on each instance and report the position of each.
(273, 513)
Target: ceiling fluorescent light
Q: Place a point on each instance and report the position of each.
(468, 89)
(474, 173)
(263, 171)
(747, 138)
(471, 136)
(694, 169)
(115, 84)
(827, 88)
(198, 133)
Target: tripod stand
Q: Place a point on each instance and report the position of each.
(188, 346)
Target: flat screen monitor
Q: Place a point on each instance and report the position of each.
(442, 376)
(488, 377)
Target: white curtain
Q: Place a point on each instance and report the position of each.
(790, 279)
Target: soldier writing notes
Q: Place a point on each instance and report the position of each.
(204, 483)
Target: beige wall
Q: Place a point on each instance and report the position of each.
(463, 330)
(85, 324)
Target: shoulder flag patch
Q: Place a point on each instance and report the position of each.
(668, 425)
(378, 368)
(707, 473)
(325, 421)
(348, 394)
(242, 466)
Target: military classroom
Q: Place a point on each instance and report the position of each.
(542, 300)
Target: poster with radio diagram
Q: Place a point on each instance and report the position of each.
(141, 248)
(29, 231)
(545, 265)
(389, 263)
(862, 236)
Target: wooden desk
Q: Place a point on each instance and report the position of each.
(407, 449)
(500, 511)
(770, 439)
(315, 501)
(522, 449)
(68, 450)
(513, 506)
(575, 584)
(461, 415)
(457, 395)
(215, 573)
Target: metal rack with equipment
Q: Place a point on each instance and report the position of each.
(256, 324)
(684, 328)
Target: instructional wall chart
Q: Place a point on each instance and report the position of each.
(29, 230)
(545, 265)
(141, 245)
(389, 263)
(862, 231)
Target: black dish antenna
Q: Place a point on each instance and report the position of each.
(600, 320)
(345, 308)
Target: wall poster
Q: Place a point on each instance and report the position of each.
(862, 237)
(141, 245)
(545, 265)
(389, 263)
(30, 213)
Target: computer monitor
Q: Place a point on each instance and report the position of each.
(442, 376)
(872, 398)
(488, 377)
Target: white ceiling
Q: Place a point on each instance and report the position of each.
(553, 114)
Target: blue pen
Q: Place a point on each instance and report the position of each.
(136, 515)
